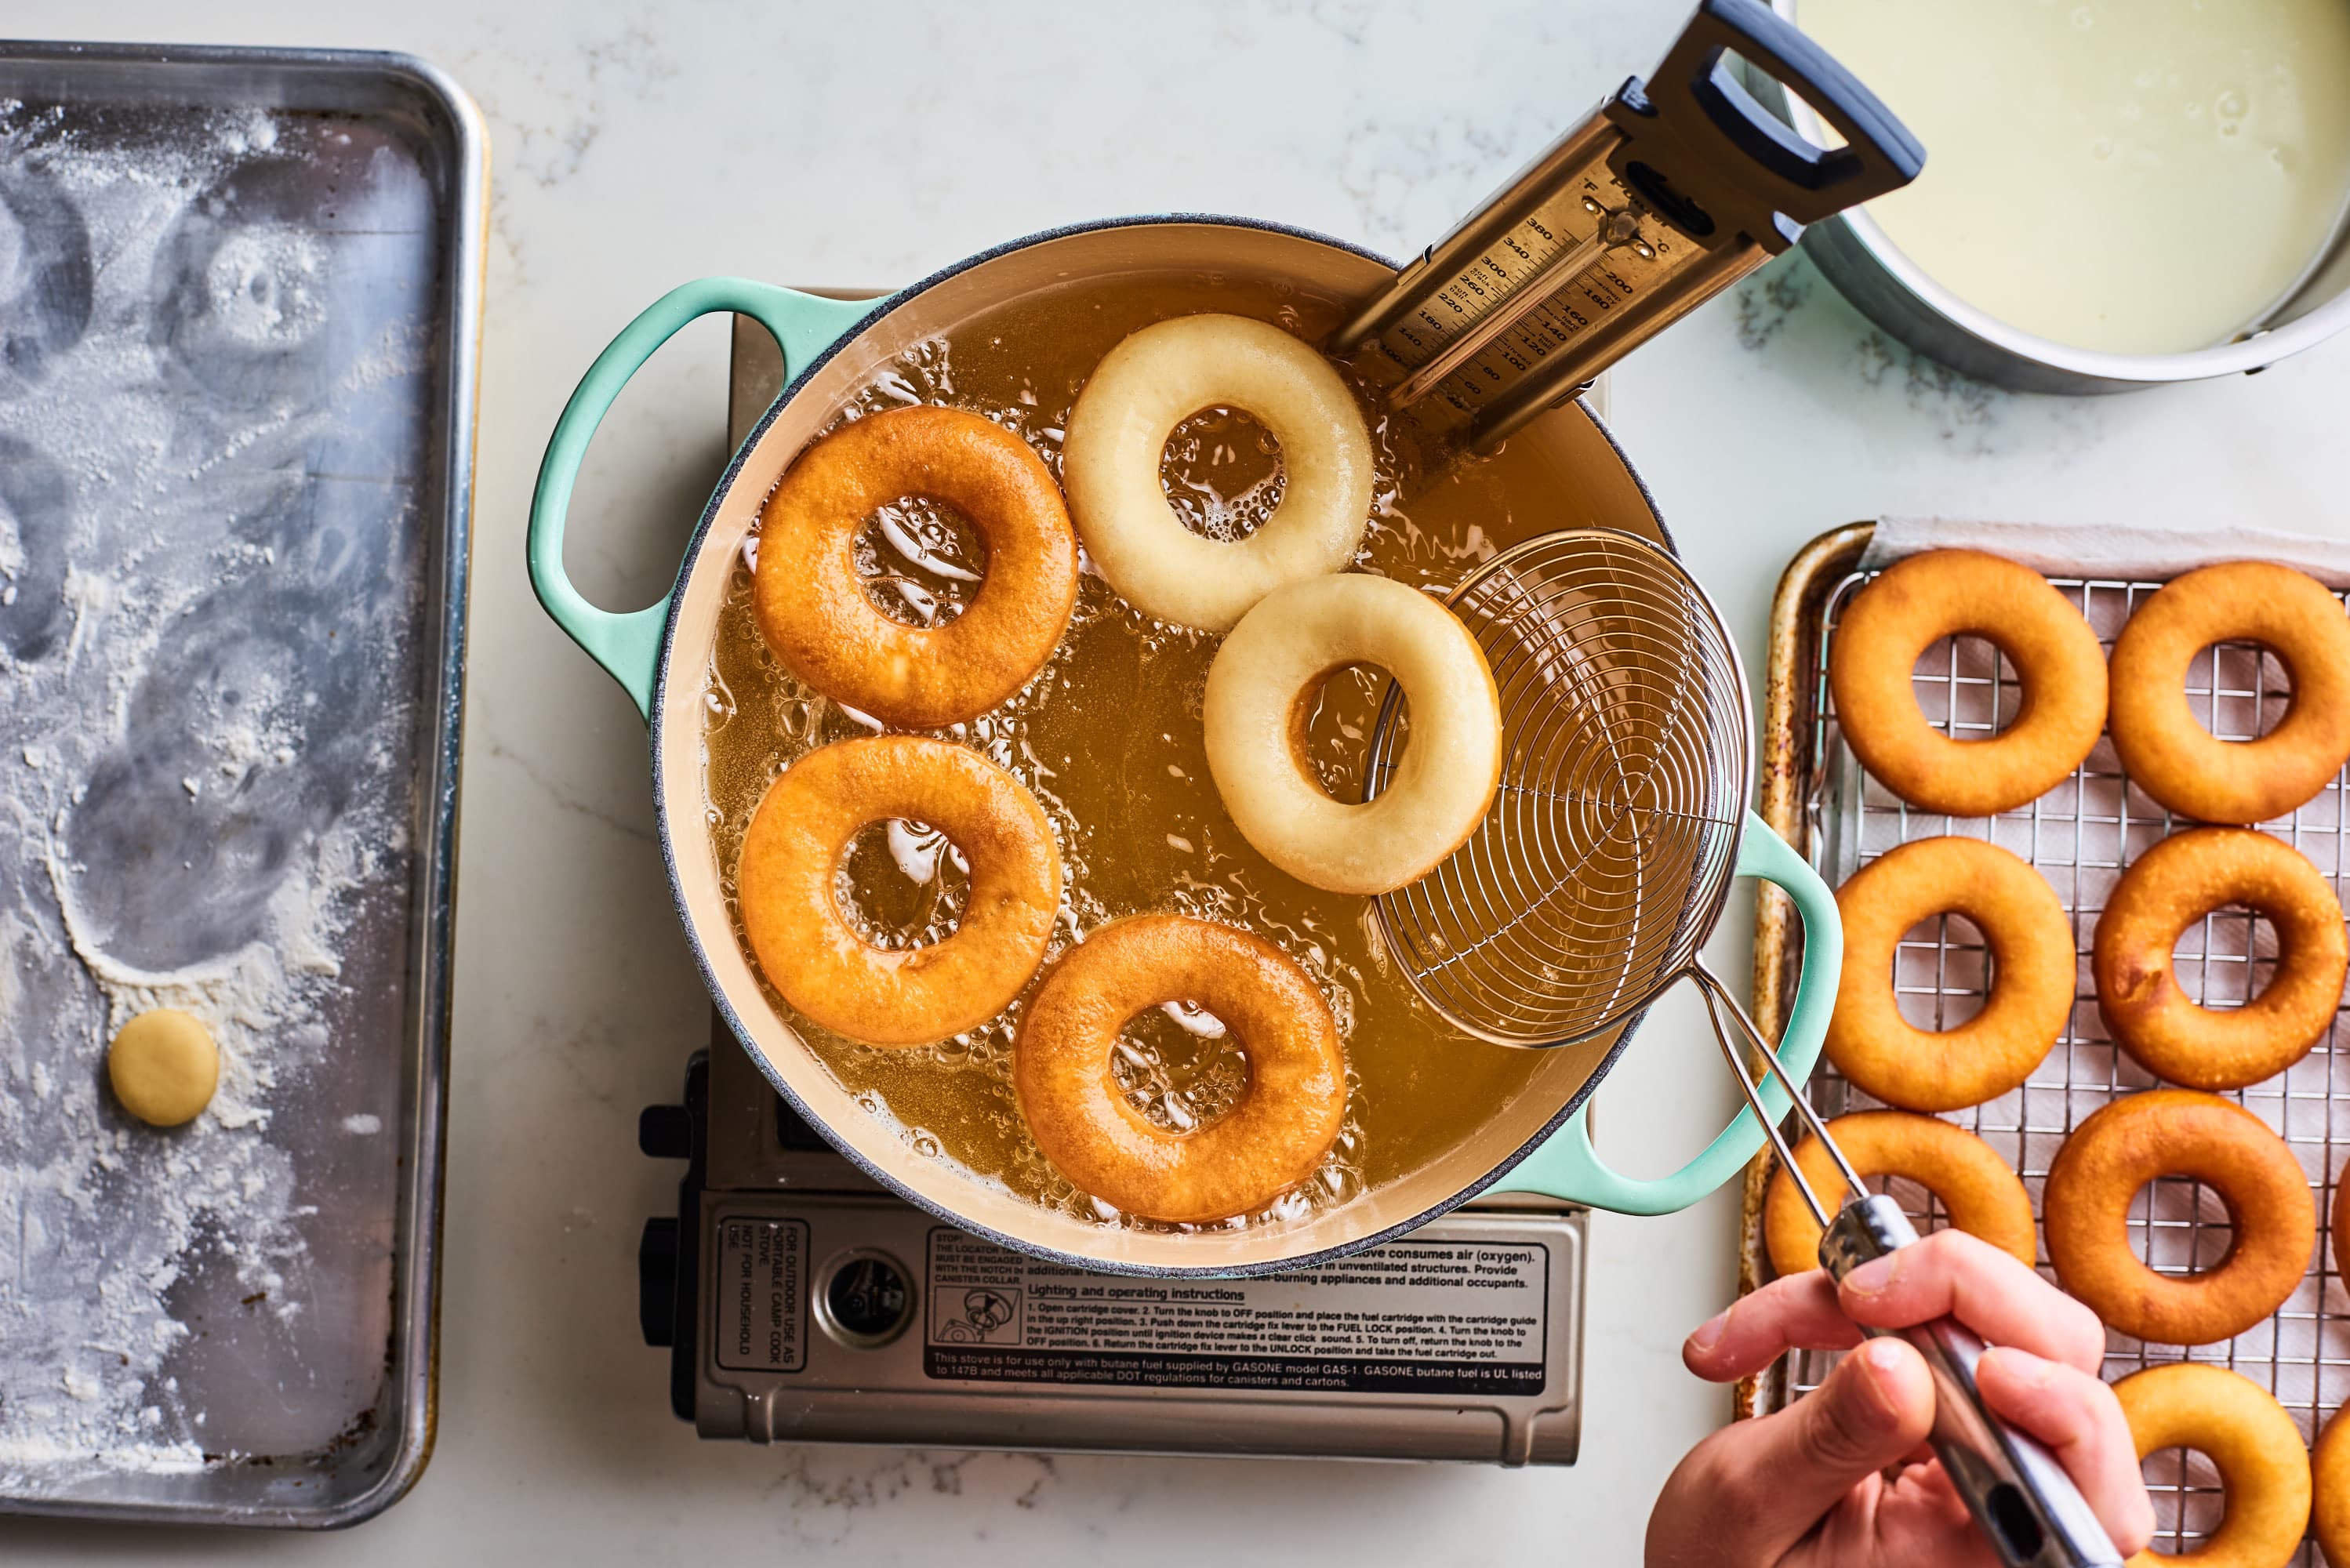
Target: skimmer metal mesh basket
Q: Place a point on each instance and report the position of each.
(1628, 761)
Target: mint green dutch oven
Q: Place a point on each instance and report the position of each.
(1540, 1145)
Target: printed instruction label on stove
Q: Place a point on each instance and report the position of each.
(1411, 1317)
(762, 1294)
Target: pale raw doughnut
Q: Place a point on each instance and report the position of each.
(1117, 438)
(163, 1066)
(1269, 669)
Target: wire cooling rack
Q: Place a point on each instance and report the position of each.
(2081, 835)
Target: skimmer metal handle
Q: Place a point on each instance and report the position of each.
(2019, 1494)
(2022, 1500)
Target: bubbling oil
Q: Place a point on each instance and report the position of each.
(1107, 737)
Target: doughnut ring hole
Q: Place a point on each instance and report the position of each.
(1942, 971)
(1179, 1068)
(1916, 1200)
(1967, 687)
(1331, 725)
(2190, 1501)
(2239, 690)
(919, 560)
(2226, 959)
(1223, 474)
(2180, 1227)
(901, 884)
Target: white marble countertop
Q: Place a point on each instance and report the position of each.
(638, 145)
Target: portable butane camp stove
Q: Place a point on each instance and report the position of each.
(801, 1303)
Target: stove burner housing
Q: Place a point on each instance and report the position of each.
(801, 1303)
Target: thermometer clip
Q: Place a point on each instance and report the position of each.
(1674, 188)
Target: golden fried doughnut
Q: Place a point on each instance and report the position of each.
(2178, 1132)
(1261, 685)
(1269, 1141)
(811, 604)
(2329, 1477)
(1981, 1196)
(2176, 884)
(1917, 602)
(909, 996)
(1117, 441)
(2031, 983)
(2337, 1224)
(2239, 1426)
(2177, 760)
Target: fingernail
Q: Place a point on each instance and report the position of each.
(1873, 1277)
(1882, 1358)
(2026, 1368)
(1882, 1354)
(1709, 1332)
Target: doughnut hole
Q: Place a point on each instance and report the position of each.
(2180, 1227)
(1223, 474)
(2238, 690)
(1942, 971)
(2188, 1501)
(920, 561)
(901, 884)
(1178, 1066)
(2226, 959)
(1967, 687)
(1331, 723)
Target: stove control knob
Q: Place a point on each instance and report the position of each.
(866, 1300)
(657, 1260)
(665, 1132)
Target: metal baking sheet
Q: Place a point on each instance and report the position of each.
(239, 314)
(2081, 835)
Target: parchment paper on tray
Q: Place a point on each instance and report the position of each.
(227, 529)
(2130, 553)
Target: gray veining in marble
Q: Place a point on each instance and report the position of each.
(637, 145)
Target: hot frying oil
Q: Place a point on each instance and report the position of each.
(1107, 736)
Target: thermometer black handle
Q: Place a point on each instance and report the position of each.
(1715, 163)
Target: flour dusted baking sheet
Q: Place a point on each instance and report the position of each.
(2080, 836)
(237, 322)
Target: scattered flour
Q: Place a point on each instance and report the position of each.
(263, 285)
(12, 546)
(115, 705)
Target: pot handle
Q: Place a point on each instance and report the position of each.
(1568, 1168)
(628, 646)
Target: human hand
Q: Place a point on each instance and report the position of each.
(1842, 1479)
